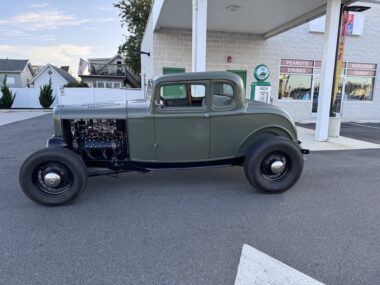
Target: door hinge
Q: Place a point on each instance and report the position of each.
(155, 145)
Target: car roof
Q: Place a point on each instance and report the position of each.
(194, 76)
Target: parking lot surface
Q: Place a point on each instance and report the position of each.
(11, 116)
(189, 226)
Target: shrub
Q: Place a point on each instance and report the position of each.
(6, 100)
(46, 98)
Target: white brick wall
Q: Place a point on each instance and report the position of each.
(172, 48)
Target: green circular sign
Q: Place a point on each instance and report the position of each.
(261, 72)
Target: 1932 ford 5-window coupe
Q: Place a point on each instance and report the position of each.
(186, 120)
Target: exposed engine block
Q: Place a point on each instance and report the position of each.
(100, 139)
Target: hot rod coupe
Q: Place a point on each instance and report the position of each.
(186, 120)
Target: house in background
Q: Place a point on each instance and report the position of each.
(59, 77)
(66, 68)
(110, 73)
(37, 68)
(19, 72)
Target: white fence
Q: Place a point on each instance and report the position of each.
(28, 97)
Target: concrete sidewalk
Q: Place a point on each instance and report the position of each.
(306, 136)
(11, 116)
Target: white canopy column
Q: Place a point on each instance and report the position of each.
(199, 36)
(328, 65)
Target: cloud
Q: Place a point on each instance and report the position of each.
(59, 55)
(27, 37)
(43, 20)
(7, 48)
(13, 33)
(28, 26)
(47, 37)
(105, 20)
(106, 8)
(39, 5)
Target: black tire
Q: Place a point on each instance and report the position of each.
(260, 158)
(59, 161)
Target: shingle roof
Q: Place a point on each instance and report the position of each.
(65, 68)
(68, 77)
(13, 65)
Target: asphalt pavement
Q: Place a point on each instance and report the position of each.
(189, 226)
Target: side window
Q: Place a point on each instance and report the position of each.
(223, 95)
(182, 95)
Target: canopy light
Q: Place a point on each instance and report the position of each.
(356, 8)
(233, 8)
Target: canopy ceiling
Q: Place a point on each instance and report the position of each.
(262, 17)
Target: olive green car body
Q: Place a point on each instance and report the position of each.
(158, 135)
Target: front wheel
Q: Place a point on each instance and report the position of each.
(274, 164)
(53, 176)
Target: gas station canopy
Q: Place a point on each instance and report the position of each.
(265, 18)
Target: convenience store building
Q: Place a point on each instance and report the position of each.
(239, 35)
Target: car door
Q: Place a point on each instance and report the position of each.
(228, 127)
(182, 122)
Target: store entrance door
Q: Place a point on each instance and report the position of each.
(315, 95)
(337, 108)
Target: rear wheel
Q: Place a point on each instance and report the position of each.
(53, 176)
(274, 164)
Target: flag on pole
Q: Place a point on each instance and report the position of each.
(82, 66)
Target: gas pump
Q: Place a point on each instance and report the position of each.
(261, 89)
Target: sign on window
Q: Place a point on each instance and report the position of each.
(354, 26)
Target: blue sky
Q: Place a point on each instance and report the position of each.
(59, 32)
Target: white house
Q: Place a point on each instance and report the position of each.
(59, 77)
(110, 73)
(19, 72)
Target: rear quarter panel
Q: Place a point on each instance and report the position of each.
(232, 133)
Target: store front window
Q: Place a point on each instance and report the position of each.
(296, 79)
(359, 88)
(360, 81)
(300, 80)
(295, 86)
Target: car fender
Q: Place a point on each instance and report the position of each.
(260, 133)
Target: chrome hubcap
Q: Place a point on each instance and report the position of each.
(277, 167)
(52, 179)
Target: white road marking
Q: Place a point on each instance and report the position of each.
(258, 268)
(371, 127)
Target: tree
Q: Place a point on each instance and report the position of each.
(46, 98)
(7, 99)
(134, 16)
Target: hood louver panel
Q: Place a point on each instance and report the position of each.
(103, 105)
